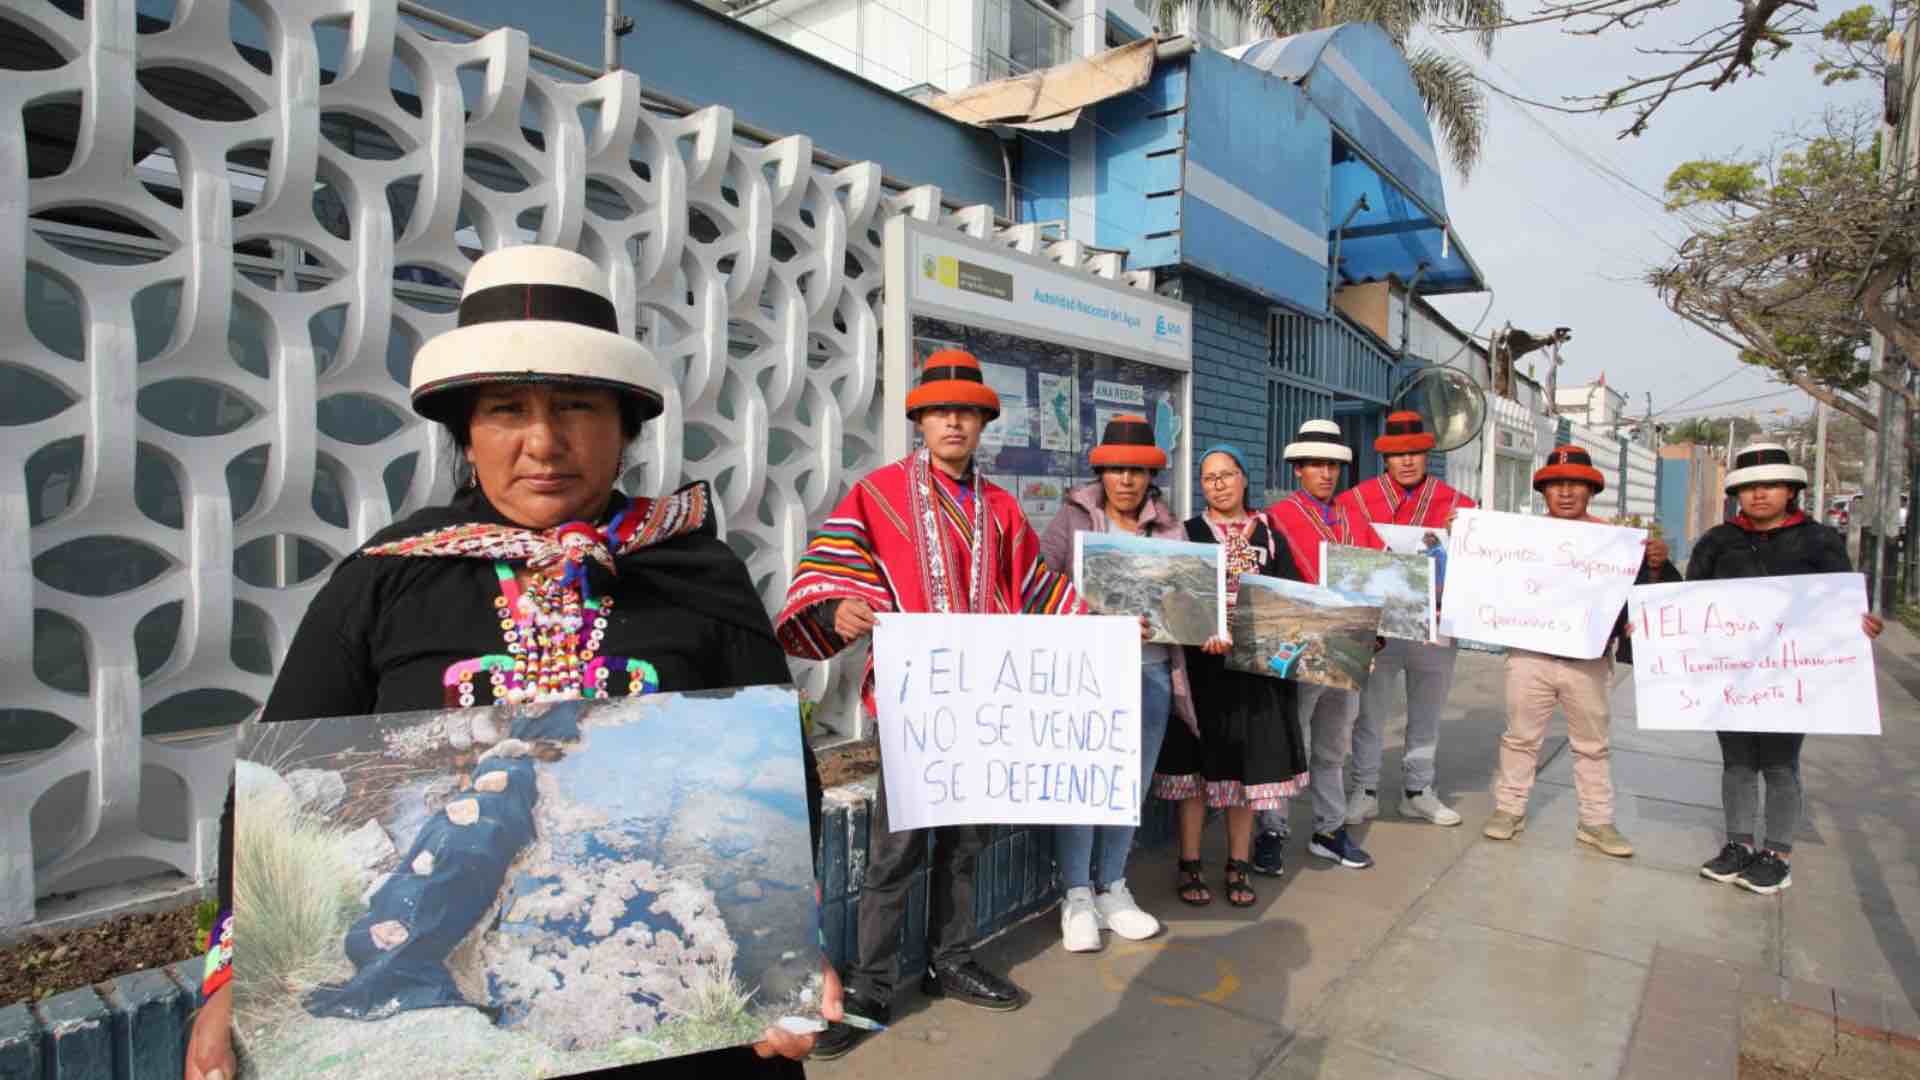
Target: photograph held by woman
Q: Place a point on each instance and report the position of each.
(538, 555)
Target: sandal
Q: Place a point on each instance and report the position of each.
(1239, 892)
(1192, 888)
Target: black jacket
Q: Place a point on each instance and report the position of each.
(1623, 650)
(1732, 550)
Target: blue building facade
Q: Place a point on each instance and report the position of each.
(1257, 184)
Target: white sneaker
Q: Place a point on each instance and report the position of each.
(1428, 807)
(1362, 806)
(1080, 921)
(1121, 915)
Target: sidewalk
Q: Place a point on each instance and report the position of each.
(1459, 957)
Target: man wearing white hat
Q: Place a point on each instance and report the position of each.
(1770, 536)
(1305, 519)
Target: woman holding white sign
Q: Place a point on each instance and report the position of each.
(1769, 537)
(1248, 754)
(1122, 499)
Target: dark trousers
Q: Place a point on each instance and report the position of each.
(892, 859)
(1748, 756)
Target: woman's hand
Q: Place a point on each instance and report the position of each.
(1146, 628)
(779, 1042)
(210, 1046)
(1217, 645)
(852, 619)
(1872, 625)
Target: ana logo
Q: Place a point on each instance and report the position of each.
(1165, 327)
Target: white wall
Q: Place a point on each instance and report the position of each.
(895, 43)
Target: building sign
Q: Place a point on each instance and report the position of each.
(1065, 352)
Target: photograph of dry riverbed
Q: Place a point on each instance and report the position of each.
(1180, 587)
(1291, 630)
(537, 890)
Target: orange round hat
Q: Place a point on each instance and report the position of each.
(1569, 463)
(1128, 444)
(951, 378)
(1406, 433)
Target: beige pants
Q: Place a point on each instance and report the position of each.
(1535, 684)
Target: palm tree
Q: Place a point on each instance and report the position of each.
(1456, 106)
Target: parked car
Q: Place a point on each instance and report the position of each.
(1841, 508)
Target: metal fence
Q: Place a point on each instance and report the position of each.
(216, 260)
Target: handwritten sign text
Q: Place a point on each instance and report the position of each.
(1009, 719)
(1538, 583)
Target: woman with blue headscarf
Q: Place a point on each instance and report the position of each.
(1248, 754)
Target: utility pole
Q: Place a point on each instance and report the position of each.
(618, 26)
(1819, 510)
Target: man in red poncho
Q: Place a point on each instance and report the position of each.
(1306, 519)
(1403, 495)
(925, 534)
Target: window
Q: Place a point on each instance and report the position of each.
(1018, 36)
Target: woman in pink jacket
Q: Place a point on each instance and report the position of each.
(1122, 499)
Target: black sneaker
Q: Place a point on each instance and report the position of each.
(1337, 847)
(967, 981)
(1727, 865)
(1267, 847)
(840, 1039)
(1767, 874)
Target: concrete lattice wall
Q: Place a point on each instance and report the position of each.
(293, 294)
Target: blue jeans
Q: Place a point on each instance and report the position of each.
(1077, 848)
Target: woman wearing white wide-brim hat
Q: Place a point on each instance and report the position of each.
(538, 557)
(1769, 537)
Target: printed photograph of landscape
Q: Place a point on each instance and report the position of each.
(522, 891)
(1292, 630)
(1180, 587)
(1403, 586)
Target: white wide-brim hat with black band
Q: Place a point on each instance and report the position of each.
(1318, 440)
(1764, 463)
(534, 314)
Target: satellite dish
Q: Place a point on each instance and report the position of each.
(1449, 402)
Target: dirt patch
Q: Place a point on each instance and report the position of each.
(39, 967)
(845, 764)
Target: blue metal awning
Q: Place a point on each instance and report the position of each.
(1397, 234)
(1382, 148)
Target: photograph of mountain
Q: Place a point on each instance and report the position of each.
(522, 891)
(1292, 630)
(1180, 587)
(1403, 586)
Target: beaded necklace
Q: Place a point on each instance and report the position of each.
(542, 625)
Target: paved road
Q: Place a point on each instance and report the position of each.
(1456, 956)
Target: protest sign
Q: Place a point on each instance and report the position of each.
(1179, 586)
(1009, 719)
(1401, 584)
(1538, 583)
(1779, 654)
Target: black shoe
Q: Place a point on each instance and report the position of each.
(967, 981)
(1727, 865)
(1339, 848)
(1766, 874)
(1266, 853)
(840, 1039)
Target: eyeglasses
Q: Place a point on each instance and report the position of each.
(1221, 479)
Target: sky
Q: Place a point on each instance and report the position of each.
(1561, 245)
